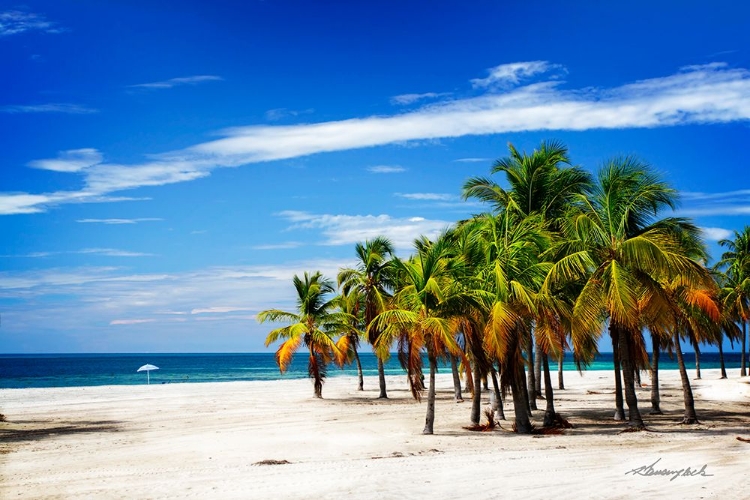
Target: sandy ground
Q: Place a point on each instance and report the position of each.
(205, 441)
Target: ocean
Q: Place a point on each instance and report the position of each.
(74, 370)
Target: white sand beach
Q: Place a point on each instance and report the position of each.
(205, 441)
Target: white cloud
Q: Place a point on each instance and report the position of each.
(76, 302)
(512, 74)
(73, 109)
(13, 22)
(711, 93)
(351, 229)
(119, 221)
(728, 203)
(22, 203)
(73, 160)
(113, 252)
(405, 99)
(473, 160)
(174, 82)
(427, 196)
(219, 310)
(386, 169)
(281, 113)
(278, 246)
(108, 252)
(242, 317)
(130, 321)
(716, 233)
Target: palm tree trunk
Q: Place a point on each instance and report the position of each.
(520, 403)
(560, 381)
(361, 386)
(637, 375)
(525, 389)
(531, 386)
(538, 372)
(456, 381)
(381, 379)
(634, 415)
(655, 398)
(549, 412)
(476, 397)
(619, 407)
(687, 393)
(743, 372)
(498, 406)
(721, 357)
(314, 371)
(697, 361)
(429, 419)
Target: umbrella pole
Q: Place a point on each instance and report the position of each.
(148, 377)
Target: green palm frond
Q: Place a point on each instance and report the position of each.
(277, 315)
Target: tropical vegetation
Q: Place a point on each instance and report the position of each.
(560, 257)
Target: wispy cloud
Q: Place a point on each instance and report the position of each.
(175, 82)
(427, 196)
(405, 99)
(107, 252)
(43, 299)
(130, 321)
(696, 204)
(72, 109)
(282, 113)
(715, 233)
(351, 229)
(219, 310)
(512, 74)
(119, 221)
(473, 160)
(712, 93)
(14, 22)
(73, 160)
(278, 246)
(386, 169)
(113, 252)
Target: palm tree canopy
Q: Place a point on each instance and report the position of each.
(618, 249)
(540, 183)
(315, 323)
(372, 278)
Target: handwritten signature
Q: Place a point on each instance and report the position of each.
(649, 470)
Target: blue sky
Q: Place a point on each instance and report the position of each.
(168, 166)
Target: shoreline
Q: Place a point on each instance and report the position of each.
(207, 439)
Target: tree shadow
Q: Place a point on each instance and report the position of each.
(15, 432)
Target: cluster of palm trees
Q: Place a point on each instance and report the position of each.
(561, 256)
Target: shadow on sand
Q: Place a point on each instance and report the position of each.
(18, 432)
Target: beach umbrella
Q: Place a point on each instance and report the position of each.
(147, 369)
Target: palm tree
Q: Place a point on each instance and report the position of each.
(617, 247)
(736, 291)
(510, 278)
(421, 315)
(314, 325)
(372, 278)
(542, 184)
(348, 344)
(684, 307)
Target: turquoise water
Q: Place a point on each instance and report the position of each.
(73, 370)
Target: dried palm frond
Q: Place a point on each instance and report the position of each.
(490, 425)
(272, 462)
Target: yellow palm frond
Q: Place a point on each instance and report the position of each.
(344, 352)
(286, 351)
(500, 326)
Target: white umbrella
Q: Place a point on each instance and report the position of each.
(147, 369)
